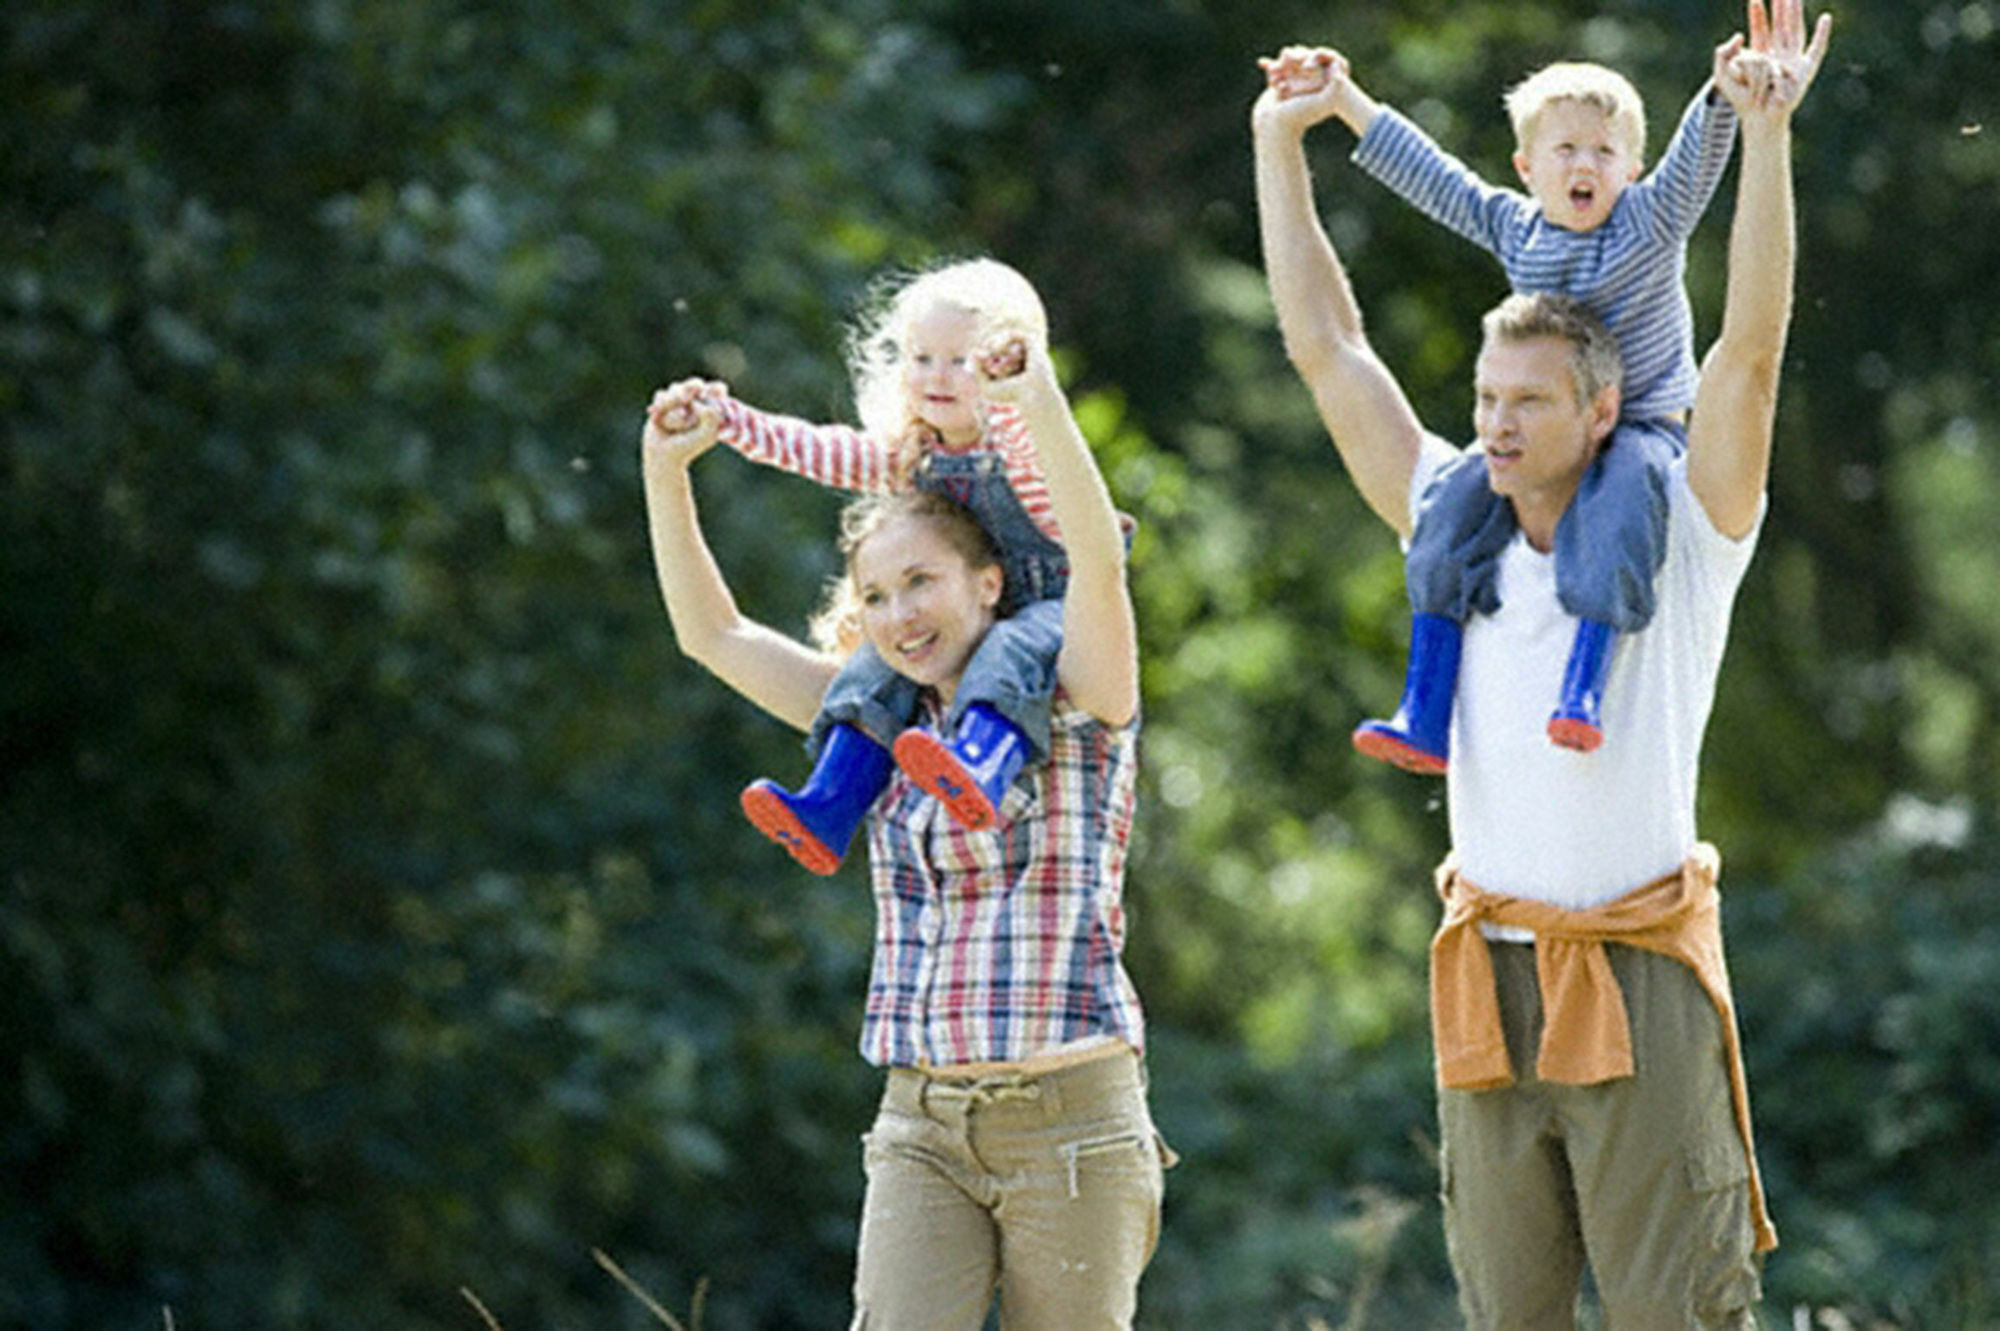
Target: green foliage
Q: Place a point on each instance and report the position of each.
(375, 918)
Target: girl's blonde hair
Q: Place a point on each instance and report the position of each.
(1003, 302)
(836, 626)
(1603, 90)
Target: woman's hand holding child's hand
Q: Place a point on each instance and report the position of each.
(682, 420)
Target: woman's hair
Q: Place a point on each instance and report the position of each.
(1604, 90)
(836, 626)
(1000, 299)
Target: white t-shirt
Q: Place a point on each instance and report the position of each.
(1532, 819)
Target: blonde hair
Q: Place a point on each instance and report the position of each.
(1603, 90)
(836, 626)
(999, 298)
(1594, 361)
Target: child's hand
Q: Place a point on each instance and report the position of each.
(676, 408)
(682, 420)
(1008, 363)
(1003, 358)
(1299, 71)
(1307, 84)
(1769, 73)
(1745, 79)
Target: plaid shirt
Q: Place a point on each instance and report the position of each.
(992, 946)
(844, 458)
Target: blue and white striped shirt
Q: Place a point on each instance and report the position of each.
(1630, 271)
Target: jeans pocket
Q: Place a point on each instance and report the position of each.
(1123, 1148)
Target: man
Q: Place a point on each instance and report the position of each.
(1591, 1100)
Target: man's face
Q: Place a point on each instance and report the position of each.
(1576, 165)
(1538, 437)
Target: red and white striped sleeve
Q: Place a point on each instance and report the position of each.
(1008, 434)
(838, 456)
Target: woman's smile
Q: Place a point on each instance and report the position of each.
(924, 607)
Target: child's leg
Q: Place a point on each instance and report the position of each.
(999, 720)
(1610, 545)
(1453, 567)
(1613, 538)
(1451, 572)
(1013, 671)
(865, 693)
(858, 720)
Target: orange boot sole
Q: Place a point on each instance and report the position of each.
(1385, 747)
(775, 819)
(1575, 733)
(929, 762)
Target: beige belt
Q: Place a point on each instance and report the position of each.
(1077, 1052)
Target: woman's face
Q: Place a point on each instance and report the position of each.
(939, 384)
(924, 606)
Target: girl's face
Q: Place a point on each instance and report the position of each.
(939, 384)
(924, 606)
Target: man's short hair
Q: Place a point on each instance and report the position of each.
(1604, 90)
(1594, 361)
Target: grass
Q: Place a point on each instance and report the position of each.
(616, 1272)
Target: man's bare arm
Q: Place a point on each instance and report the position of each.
(1729, 437)
(1371, 421)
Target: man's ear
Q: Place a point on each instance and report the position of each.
(1604, 413)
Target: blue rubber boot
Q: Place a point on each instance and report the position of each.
(817, 823)
(971, 773)
(1418, 738)
(1576, 723)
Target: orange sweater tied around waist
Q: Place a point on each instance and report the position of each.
(1586, 1035)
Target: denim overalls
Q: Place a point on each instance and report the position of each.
(1609, 545)
(1013, 670)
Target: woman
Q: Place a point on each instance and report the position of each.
(1013, 1150)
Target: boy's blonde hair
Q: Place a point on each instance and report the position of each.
(1002, 300)
(1602, 89)
(836, 626)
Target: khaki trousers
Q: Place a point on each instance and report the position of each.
(1045, 1189)
(1645, 1177)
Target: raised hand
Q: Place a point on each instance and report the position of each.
(1011, 365)
(1307, 84)
(1299, 71)
(1770, 72)
(1003, 357)
(1304, 85)
(678, 406)
(682, 420)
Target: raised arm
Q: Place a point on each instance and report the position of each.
(780, 675)
(1680, 185)
(1099, 663)
(1729, 437)
(1372, 423)
(838, 456)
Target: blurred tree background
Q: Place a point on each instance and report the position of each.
(377, 927)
